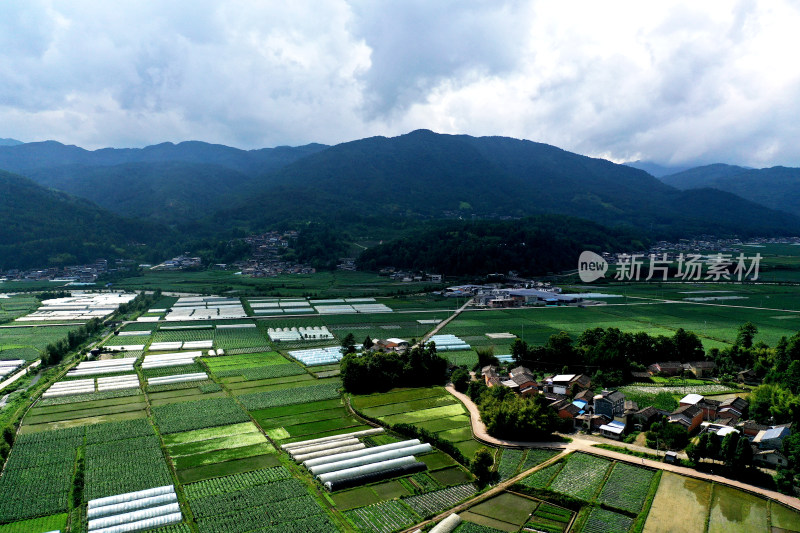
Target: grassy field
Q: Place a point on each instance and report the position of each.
(432, 408)
(328, 284)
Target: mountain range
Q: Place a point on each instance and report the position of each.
(776, 187)
(374, 188)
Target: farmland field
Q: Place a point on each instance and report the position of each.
(691, 496)
(506, 507)
(604, 521)
(430, 408)
(581, 476)
(734, 511)
(626, 487)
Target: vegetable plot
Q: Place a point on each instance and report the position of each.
(383, 517)
(626, 487)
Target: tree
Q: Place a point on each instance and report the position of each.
(481, 466)
(743, 456)
(688, 346)
(486, 357)
(460, 379)
(745, 336)
(728, 451)
(368, 344)
(348, 344)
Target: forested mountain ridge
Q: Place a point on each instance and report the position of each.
(776, 187)
(23, 158)
(40, 227)
(424, 175)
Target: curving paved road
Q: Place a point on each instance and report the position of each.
(587, 445)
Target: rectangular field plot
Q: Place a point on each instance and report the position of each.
(604, 521)
(626, 487)
(691, 496)
(506, 507)
(305, 394)
(185, 416)
(581, 476)
(735, 511)
(231, 363)
(542, 478)
(439, 501)
(382, 517)
(784, 517)
(509, 463)
(549, 518)
(45, 524)
(234, 466)
(37, 477)
(123, 466)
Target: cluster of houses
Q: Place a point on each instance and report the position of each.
(609, 414)
(266, 256)
(87, 273)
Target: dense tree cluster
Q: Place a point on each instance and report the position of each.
(375, 371)
(536, 245)
(666, 436)
(608, 355)
(510, 416)
(733, 450)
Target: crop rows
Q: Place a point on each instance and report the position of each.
(603, 521)
(173, 370)
(264, 515)
(581, 476)
(552, 512)
(198, 414)
(313, 524)
(183, 335)
(124, 466)
(236, 482)
(383, 517)
(101, 395)
(541, 478)
(263, 400)
(111, 431)
(440, 500)
(626, 487)
(509, 462)
(272, 371)
(236, 338)
(38, 475)
(536, 457)
(205, 385)
(469, 527)
(252, 496)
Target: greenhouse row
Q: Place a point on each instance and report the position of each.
(448, 343)
(107, 366)
(134, 511)
(169, 359)
(318, 356)
(180, 378)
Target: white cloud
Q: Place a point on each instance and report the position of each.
(676, 82)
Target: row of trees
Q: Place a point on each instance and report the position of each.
(733, 450)
(609, 353)
(54, 352)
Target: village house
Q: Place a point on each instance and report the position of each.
(732, 409)
(568, 384)
(667, 368)
(689, 416)
(772, 438)
(700, 369)
(610, 404)
(769, 458)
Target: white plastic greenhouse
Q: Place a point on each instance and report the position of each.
(332, 458)
(448, 343)
(133, 505)
(363, 433)
(179, 378)
(134, 511)
(134, 516)
(322, 446)
(148, 523)
(365, 469)
(377, 457)
(447, 525)
(333, 451)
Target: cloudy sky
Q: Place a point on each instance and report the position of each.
(671, 82)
